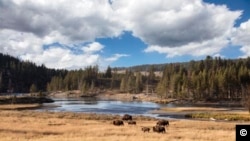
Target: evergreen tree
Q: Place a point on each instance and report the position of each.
(108, 73)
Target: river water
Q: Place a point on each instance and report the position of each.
(100, 106)
(104, 106)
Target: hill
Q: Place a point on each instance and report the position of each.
(18, 76)
(209, 79)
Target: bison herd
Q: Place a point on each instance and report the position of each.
(159, 127)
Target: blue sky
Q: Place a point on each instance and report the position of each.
(76, 34)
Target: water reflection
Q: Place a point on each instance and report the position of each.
(101, 106)
(94, 105)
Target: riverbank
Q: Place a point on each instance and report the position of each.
(116, 95)
(19, 106)
(113, 95)
(24, 100)
(207, 113)
(54, 126)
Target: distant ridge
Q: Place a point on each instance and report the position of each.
(146, 67)
(160, 67)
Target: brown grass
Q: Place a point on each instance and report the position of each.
(220, 116)
(19, 106)
(50, 126)
(194, 109)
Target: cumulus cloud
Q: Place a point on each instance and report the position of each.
(75, 20)
(27, 25)
(210, 47)
(176, 23)
(182, 24)
(173, 28)
(241, 36)
(115, 57)
(103, 62)
(56, 57)
(93, 47)
(17, 43)
(246, 51)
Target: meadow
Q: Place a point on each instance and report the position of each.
(66, 126)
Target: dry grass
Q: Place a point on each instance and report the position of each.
(49, 126)
(220, 116)
(19, 106)
(194, 109)
(228, 114)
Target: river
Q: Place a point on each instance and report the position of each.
(100, 106)
(104, 106)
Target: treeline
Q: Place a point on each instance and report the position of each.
(90, 80)
(83, 80)
(210, 79)
(145, 68)
(22, 76)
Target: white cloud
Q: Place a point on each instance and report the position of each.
(56, 57)
(210, 47)
(28, 47)
(241, 36)
(93, 47)
(178, 24)
(17, 43)
(107, 61)
(173, 28)
(219, 55)
(246, 50)
(115, 57)
(65, 58)
(77, 20)
(27, 25)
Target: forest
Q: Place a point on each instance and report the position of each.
(18, 76)
(208, 79)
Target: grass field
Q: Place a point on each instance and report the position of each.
(19, 106)
(50, 126)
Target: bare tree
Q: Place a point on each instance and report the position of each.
(246, 98)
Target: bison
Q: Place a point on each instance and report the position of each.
(132, 122)
(118, 122)
(162, 123)
(159, 129)
(127, 117)
(145, 129)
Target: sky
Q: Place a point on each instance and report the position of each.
(74, 34)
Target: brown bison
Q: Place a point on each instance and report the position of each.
(127, 117)
(145, 129)
(118, 122)
(162, 122)
(131, 122)
(159, 129)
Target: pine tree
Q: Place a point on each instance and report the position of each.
(108, 73)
